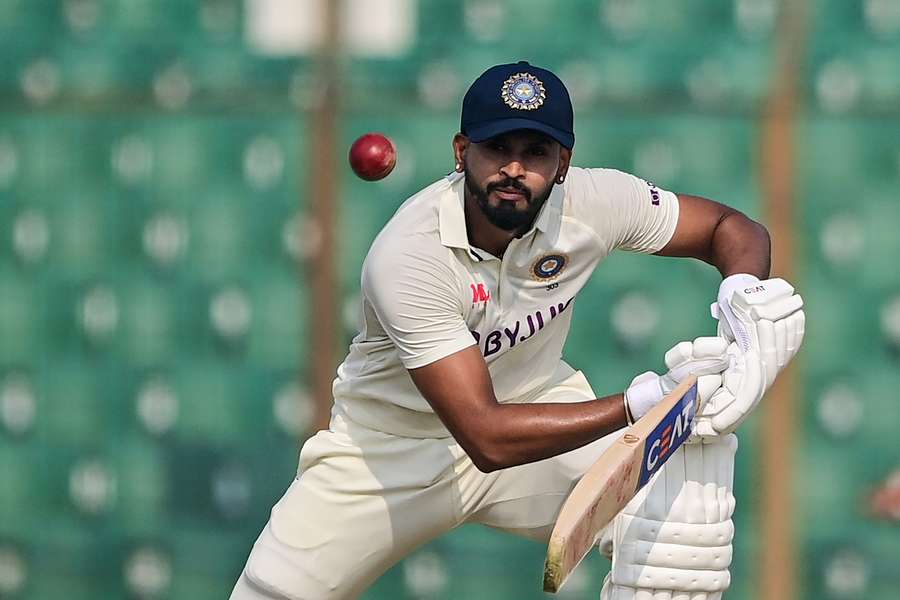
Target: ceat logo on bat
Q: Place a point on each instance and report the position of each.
(671, 432)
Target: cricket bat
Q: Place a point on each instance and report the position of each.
(612, 481)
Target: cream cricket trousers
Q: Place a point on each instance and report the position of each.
(363, 500)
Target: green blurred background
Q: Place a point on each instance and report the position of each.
(157, 249)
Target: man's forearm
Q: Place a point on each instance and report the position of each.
(740, 245)
(515, 434)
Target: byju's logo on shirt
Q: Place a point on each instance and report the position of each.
(508, 336)
(480, 293)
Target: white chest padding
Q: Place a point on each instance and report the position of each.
(675, 535)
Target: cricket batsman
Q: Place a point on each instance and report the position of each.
(454, 404)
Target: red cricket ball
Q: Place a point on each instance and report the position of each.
(373, 156)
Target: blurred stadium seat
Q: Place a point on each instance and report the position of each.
(847, 222)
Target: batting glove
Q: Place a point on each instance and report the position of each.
(705, 356)
(763, 316)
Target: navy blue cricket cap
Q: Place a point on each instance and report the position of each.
(517, 96)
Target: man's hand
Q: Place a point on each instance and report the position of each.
(766, 322)
(705, 356)
(765, 316)
(743, 386)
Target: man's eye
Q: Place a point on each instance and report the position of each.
(538, 151)
(496, 146)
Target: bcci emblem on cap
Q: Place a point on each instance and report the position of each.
(523, 91)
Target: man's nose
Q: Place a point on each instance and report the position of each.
(513, 169)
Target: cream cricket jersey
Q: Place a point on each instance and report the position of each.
(427, 293)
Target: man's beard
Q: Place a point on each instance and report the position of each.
(505, 215)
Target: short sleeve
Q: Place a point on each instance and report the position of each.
(628, 212)
(414, 293)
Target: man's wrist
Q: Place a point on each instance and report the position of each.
(628, 417)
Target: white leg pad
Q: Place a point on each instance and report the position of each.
(673, 540)
(620, 592)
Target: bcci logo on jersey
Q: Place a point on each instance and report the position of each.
(548, 266)
(671, 432)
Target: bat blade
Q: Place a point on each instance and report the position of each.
(615, 478)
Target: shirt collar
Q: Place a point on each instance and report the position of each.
(452, 218)
(550, 217)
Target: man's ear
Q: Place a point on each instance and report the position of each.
(565, 159)
(460, 146)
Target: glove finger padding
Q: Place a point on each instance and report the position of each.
(703, 356)
(707, 385)
(765, 331)
(743, 386)
(778, 308)
(781, 343)
(796, 331)
(700, 348)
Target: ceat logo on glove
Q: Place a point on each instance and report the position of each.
(753, 290)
